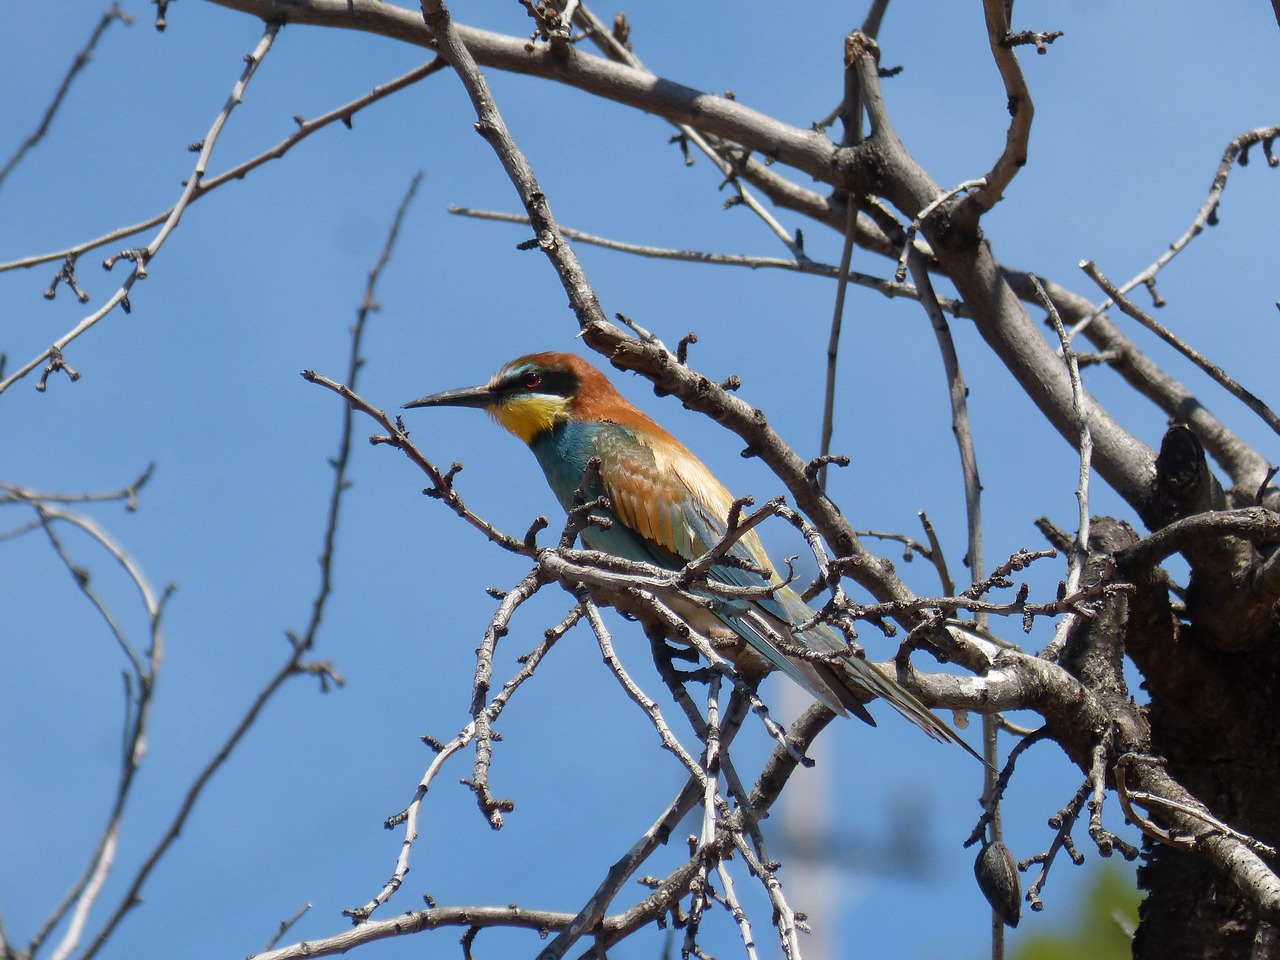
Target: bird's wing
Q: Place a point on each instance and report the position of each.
(665, 496)
(668, 497)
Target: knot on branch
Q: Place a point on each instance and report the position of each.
(444, 486)
(67, 275)
(137, 256)
(682, 348)
(1022, 38)
(56, 363)
(552, 26)
(858, 46)
(814, 466)
(492, 807)
(1268, 144)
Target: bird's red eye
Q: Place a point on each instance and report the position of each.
(532, 380)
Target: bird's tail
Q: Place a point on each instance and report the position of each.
(854, 674)
(862, 674)
(842, 684)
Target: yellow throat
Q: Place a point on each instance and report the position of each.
(531, 414)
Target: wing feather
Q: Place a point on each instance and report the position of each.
(666, 495)
(663, 493)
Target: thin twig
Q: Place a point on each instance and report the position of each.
(960, 424)
(888, 288)
(935, 555)
(409, 817)
(739, 915)
(490, 125)
(707, 841)
(286, 926)
(1080, 546)
(342, 461)
(784, 917)
(140, 688)
(1002, 782)
(1013, 157)
(1216, 373)
(484, 715)
(645, 702)
(299, 646)
(925, 213)
(1148, 799)
(1062, 821)
(728, 165)
(10, 493)
(207, 185)
(442, 487)
(833, 342)
(80, 61)
(1206, 215)
(151, 602)
(593, 912)
(141, 257)
(961, 428)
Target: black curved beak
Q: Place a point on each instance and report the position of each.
(481, 397)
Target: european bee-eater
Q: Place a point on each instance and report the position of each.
(668, 509)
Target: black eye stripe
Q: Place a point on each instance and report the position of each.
(562, 383)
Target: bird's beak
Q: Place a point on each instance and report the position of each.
(481, 397)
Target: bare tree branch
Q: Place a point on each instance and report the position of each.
(1196, 644)
(1021, 112)
(1080, 547)
(889, 288)
(140, 684)
(142, 256)
(81, 61)
(204, 186)
(1243, 464)
(1237, 149)
(1218, 375)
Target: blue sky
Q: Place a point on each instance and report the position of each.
(1134, 107)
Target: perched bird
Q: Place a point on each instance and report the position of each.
(667, 509)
